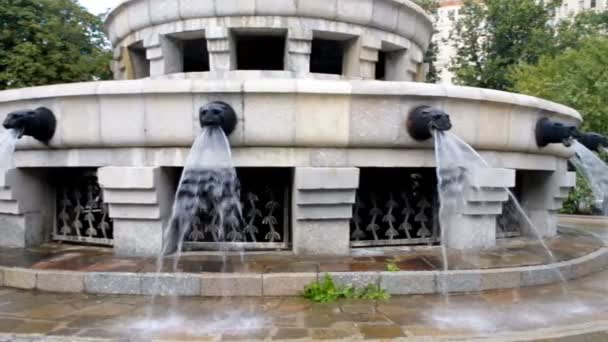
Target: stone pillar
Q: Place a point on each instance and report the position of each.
(369, 58)
(396, 65)
(140, 201)
(414, 64)
(222, 54)
(119, 64)
(471, 223)
(351, 66)
(543, 194)
(297, 55)
(27, 208)
(165, 55)
(322, 209)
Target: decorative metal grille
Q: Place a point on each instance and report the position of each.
(82, 216)
(508, 224)
(395, 207)
(265, 203)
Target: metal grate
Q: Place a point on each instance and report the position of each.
(508, 224)
(395, 207)
(266, 203)
(81, 214)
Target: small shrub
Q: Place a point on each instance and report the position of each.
(391, 266)
(326, 291)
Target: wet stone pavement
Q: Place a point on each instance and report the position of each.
(509, 253)
(540, 313)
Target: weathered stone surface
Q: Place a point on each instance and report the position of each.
(288, 284)
(327, 178)
(540, 275)
(231, 285)
(406, 283)
(129, 237)
(56, 281)
(500, 279)
(311, 237)
(20, 278)
(112, 283)
(170, 285)
(458, 281)
(354, 279)
(127, 177)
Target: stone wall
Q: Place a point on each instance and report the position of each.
(372, 26)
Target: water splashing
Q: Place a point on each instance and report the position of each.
(596, 173)
(456, 162)
(208, 195)
(8, 141)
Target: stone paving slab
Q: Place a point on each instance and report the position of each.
(293, 283)
(514, 263)
(578, 312)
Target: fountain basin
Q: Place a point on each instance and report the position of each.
(94, 271)
(137, 132)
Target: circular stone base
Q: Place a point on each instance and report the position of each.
(513, 263)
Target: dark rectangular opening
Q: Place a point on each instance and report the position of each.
(395, 206)
(139, 61)
(196, 56)
(327, 56)
(381, 66)
(255, 52)
(81, 214)
(266, 213)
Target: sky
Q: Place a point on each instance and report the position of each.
(98, 6)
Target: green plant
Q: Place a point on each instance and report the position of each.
(391, 266)
(326, 290)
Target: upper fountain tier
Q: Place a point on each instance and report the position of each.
(351, 39)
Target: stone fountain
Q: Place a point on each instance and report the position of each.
(322, 94)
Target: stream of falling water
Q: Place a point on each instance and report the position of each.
(8, 141)
(207, 201)
(456, 161)
(595, 171)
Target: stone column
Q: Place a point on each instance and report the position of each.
(543, 194)
(165, 55)
(369, 57)
(119, 64)
(140, 201)
(297, 55)
(471, 224)
(222, 54)
(322, 209)
(414, 64)
(27, 208)
(396, 65)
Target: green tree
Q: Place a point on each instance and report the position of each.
(577, 78)
(571, 32)
(48, 42)
(494, 35)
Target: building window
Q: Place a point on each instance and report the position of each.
(581, 4)
(381, 66)
(256, 51)
(593, 4)
(195, 55)
(327, 56)
(139, 63)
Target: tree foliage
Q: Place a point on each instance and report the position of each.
(577, 78)
(48, 42)
(494, 35)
